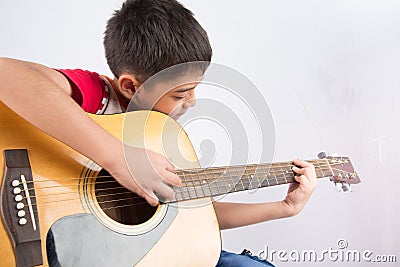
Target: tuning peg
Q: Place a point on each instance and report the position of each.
(339, 187)
(343, 187)
(346, 187)
(322, 155)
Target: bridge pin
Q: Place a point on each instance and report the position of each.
(21, 213)
(15, 183)
(17, 190)
(18, 198)
(22, 221)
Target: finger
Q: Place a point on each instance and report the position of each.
(303, 180)
(170, 167)
(149, 196)
(299, 171)
(171, 178)
(165, 192)
(151, 199)
(302, 163)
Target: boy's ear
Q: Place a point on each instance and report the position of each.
(128, 85)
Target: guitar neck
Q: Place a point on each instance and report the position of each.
(214, 181)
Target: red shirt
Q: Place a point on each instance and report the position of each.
(88, 89)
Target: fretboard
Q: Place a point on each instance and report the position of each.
(214, 181)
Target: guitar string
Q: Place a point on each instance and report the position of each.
(215, 183)
(184, 181)
(117, 207)
(143, 203)
(99, 202)
(188, 171)
(210, 188)
(194, 183)
(183, 199)
(126, 205)
(281, 181)
(185, 177)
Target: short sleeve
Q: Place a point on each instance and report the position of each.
(87, 88)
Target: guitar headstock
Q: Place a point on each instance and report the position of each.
(343, 173)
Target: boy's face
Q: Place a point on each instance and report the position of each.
(177, 101)
(173, 102)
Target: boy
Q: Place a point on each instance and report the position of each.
(141, 39)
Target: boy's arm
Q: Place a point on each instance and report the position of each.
(42, 96)
(231, 215)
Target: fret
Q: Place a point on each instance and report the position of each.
(328, 167)
(241, 183)
(284, 173)
(195, 186)
(184, 188)
(250, 179)
(238, 185)
(200, 184)
(191, 189)
(271, 176)
(264, 176)
(216, 188)
(234, 178)
(320, 169)
(205, 183)
(222, 183)
(245, 182)
(254, 184)
(178, 195)
(276, 179)
(290, 174)
(265, 183)
(257, 176)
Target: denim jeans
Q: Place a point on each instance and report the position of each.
(244, 259)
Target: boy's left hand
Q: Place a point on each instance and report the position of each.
(299, 193)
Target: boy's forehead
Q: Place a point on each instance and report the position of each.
(177, 84)
(186, 86)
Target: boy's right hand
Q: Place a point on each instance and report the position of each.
(145, 173)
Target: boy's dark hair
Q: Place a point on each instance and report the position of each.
(147, 36)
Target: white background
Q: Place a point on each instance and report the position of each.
(330, 71)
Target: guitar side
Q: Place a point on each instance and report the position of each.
(193, 233)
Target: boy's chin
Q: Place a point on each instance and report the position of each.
(176, 116)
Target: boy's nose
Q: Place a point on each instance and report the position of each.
(190, 100)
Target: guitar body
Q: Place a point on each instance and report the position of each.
(78, 226)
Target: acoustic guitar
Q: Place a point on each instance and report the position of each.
(61, 209)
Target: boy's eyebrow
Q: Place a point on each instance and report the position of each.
(184, 89)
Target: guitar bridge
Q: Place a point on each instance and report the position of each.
(18, 208)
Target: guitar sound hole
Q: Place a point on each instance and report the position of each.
(119, 203)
